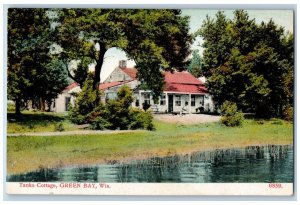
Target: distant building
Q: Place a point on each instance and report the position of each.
(182, 92)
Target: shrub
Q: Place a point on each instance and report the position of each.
(140, 119)
(119, 109)
(59, 127)
(86, 101)
(99, 123)
(146, 106)
(288, 113)
(10, 107)
(115, 114)
(230, 115)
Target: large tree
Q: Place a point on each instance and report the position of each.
(248, 63)
(156, 39)
(32, 72)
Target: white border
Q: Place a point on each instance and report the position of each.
(157, 2)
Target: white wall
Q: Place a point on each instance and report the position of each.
(117, 76)
(60, 102)
(201, 100)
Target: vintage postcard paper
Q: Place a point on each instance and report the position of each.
(150, 101)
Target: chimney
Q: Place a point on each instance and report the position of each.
(122, 64)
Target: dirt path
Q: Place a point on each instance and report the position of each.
(75, 132)
(187, 118)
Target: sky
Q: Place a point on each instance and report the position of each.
(281, 17)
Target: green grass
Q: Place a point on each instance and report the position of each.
(34, 152)
(37, 122)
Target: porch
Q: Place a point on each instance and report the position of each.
(170, 102)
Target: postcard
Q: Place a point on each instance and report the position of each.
(121, 101)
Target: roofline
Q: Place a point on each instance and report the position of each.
(124, 82)
(173, 92)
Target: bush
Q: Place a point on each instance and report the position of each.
(146, 106)
(115, 114)
(59, 127)
(86, 101)
(119, 109)
(140, 119)
(10, 107)
(230, 115)
(99, 123)
(288, 113)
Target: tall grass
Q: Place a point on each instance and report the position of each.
(34, 152)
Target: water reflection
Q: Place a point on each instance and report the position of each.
(273, 163)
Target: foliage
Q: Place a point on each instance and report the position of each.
(140, 119)
(115, 114)
(59, 127)
(247, 63)
(195, 66)
(33, 73)
(157, 39)
(288, 113)
(119, 109)
(230, 115)
(10, 107)
(99, 123)
(86, 101)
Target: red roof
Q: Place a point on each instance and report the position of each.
(184, 88)
(69, 87)
(178, 82)
(183, 77)
(104, 86)
(130, 71)
(183, 82)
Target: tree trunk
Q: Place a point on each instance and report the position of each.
(42, 105)
(99, 66)
(18, 107)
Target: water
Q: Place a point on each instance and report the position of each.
(251, 164)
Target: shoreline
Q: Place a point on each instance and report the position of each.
(30, 153)
(143, 156)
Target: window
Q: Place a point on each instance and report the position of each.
(193, 100)
(147, 98)
(68, 99)
(111, 96)
(202, 100)
(177, 100)
(186, 100)
(163, 100)
(137, 103)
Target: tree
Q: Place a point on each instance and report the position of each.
(32, 72)
(247, 63)
(157, 39)
(119, 109)
(86, 101)
(195, 66)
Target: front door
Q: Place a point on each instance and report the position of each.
(67, 102)
(170, 103)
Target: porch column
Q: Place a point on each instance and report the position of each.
(190, 103)
(140, 99)
(167, 102)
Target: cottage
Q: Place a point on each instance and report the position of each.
(182, 92)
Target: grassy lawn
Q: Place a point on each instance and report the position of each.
(33, 152)
(37, 122)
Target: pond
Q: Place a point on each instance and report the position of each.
(272, 163)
